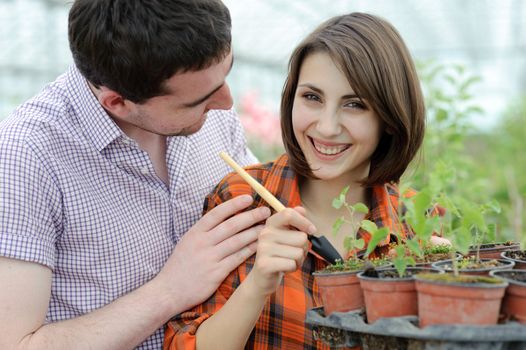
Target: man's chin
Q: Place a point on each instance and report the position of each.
(187, 131)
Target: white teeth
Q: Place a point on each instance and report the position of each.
(329, 150)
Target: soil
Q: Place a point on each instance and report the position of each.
(450, 278)
(353, 265)
(332, 336)
(409, 272)
(471, 264)
(516, 254)
(379, 342)
(495, 245)
(513, 275)
(474, 265)
(431, 258)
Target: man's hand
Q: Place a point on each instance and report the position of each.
(282, 247)
(218, 243)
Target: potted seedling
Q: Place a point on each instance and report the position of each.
(454, 298)
(392, 292)
(484, 247)
(338, 285)
(474, 263)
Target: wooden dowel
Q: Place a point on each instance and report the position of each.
(262, 191)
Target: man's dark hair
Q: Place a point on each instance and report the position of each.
(133, 46)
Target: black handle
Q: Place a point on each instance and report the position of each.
(324, 248)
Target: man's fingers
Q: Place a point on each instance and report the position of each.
(238, 223)
(234, 260)
(222, 212)
(236, 243)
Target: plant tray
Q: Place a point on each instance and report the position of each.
(349, 329)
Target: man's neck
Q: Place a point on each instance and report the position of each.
(151, 143)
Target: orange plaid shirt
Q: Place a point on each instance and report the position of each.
(281, 324)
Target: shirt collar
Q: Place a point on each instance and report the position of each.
(96, 123)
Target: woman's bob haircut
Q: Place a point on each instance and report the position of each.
(380, 70)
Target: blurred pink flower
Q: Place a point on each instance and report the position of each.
(258, 121)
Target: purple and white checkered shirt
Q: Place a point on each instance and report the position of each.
(79, 196)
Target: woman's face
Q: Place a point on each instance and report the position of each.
(336, 131)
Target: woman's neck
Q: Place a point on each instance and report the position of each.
(317, 195)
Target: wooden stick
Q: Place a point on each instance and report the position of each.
(262, 191)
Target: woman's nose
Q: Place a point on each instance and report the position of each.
(329, 124)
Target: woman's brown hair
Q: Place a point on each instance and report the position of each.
(379, 68)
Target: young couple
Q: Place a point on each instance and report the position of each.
(352, 115)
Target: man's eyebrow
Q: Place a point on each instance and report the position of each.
(207, 96)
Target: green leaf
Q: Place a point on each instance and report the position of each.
(466, 84)
(432, 224)
(492, 232)
(337, 225)
(400, 265)
(378, 236)
(441, 115)
(461, 240)
(369, 226)
(359, 243)
(494, 206)
(337, 203)
(360, 208)
(473, 217)
(414, 247)
(474, 109)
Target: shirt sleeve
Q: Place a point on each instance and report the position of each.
(181, 330)
(30, 204)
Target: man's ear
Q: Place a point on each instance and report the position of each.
(114, 103)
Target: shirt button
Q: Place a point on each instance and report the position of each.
(126, 142)
(145, 170)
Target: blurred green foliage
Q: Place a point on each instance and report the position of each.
(484, 166)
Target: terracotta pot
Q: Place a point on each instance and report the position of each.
(390, 297)
(514, 302)
(443, 265)
(340, 291)
(493, 250)
(519, 264)
(442, 302)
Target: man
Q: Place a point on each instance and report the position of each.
(104, 172)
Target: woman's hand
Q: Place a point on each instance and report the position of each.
(282, 247)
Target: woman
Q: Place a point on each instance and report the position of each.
(352, 115)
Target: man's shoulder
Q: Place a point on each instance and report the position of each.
(31, 119)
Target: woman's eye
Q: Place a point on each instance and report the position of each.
(355, 104)
(311, 97)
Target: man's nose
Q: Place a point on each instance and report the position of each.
(222, 99)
